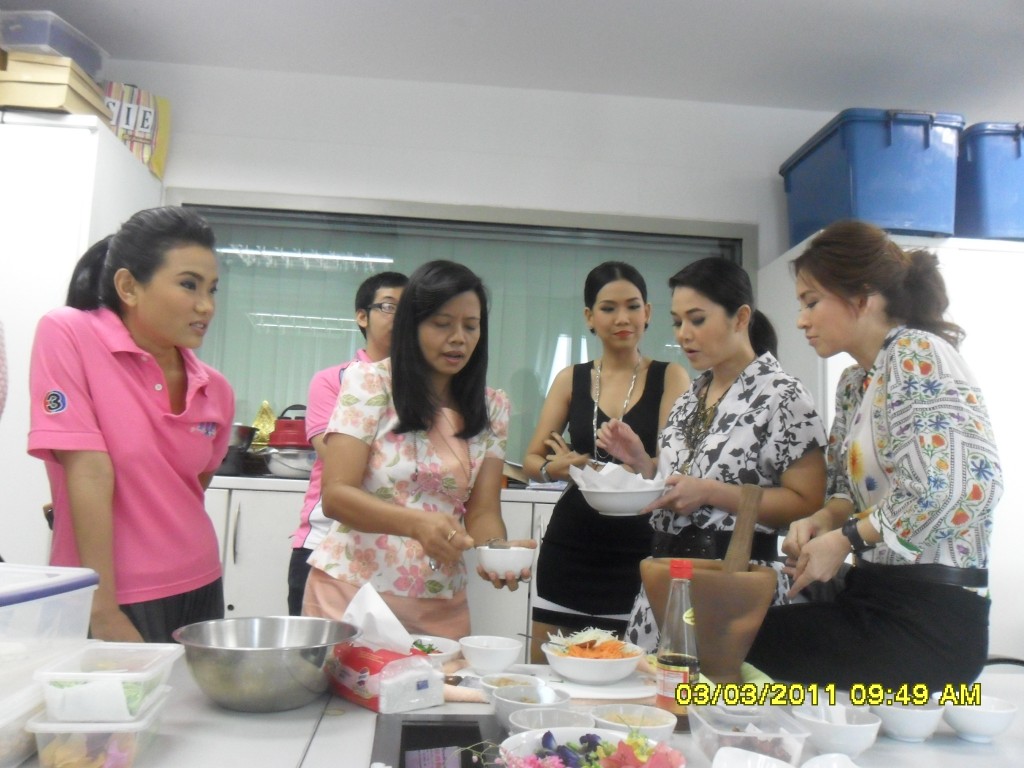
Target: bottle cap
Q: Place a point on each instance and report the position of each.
(681, 569)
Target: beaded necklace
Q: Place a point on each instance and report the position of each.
(625, 403)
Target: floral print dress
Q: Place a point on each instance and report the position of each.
(912, 447)
(407, 470)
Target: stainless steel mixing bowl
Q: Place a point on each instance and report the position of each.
(262, 664)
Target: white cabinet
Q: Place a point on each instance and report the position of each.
(254, 528)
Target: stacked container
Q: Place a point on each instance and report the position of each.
(102, 702)
(44, 614)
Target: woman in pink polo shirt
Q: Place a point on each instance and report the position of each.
(132, 425)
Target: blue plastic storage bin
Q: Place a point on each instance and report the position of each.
(894, 168)
(990, 182)
(47, 33)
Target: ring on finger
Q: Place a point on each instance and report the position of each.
(451, 534)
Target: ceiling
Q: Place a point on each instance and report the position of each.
(936, 55)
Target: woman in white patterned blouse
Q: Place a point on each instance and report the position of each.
(914, 478)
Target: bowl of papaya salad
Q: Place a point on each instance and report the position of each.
(592, 656)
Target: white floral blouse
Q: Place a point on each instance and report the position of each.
(912, 448)
(403, 469)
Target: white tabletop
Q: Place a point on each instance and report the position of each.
(333, 733)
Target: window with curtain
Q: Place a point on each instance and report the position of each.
(288, 282)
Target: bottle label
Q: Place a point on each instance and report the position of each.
(670, 674)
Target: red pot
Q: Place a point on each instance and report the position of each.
(289, 432)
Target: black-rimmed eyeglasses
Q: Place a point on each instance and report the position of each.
(387, 307)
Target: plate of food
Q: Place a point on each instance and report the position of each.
(592, 656)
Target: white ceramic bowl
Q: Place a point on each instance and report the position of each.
(980, 723)
(652, 722)
(490, 683)
(546, 718)
(593, 671)
(838, 728)
(490, 653)
(909, 722)
(734, 757)
(830, 760)
(502, 561)
(526, 743)
(621, 503)
(447, 649)
(516, 697)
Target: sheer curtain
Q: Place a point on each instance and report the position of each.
(288, 282)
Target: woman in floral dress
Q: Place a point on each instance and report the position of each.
(914, 478)
(744, 420)
(413, 463)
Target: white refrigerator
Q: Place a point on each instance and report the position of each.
(65, 182)
(985, 281)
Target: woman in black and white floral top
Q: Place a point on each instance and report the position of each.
(743, 421)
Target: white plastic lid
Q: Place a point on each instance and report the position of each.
(41, 724)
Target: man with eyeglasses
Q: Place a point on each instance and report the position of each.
(376, 302)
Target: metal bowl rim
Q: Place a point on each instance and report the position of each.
(177, 635)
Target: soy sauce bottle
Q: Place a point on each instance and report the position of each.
(677, 661)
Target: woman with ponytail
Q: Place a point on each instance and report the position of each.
(131, 425)
(743, 421)
(913, 478)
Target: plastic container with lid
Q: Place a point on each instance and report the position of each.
(990, 182)
(43, 609)
(894, 168)
(47, 33)
(106, 682)
(111, 744)
(766, 730)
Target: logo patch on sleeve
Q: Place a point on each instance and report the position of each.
(55, 401)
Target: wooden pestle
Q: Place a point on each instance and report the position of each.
(737, 557)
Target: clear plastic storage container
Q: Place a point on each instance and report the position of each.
(46, 32)
(766, 730)
(17, 707)
(60, 744)
(106, 682)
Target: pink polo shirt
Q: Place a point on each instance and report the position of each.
(93, 389)
(324, 389)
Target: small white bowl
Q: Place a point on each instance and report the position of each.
(593, 671)
(734, 757)
(517, 697)
(979, 723)
(838, 728)
(621, 503)
(501, 561)
(909, 722)
(490, 683)
(652, 722)
(490, 653)
(546, 718)
(447, 649)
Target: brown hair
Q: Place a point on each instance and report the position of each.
(853, 258)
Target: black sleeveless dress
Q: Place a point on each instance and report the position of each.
(589, 562)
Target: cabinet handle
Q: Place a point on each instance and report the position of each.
(234, 537)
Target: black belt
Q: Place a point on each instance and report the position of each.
(933, 573)
(707, 544)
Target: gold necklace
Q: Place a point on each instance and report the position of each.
(697, 425)
(625, 403)
(467, 469)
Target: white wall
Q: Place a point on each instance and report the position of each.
(467, 145)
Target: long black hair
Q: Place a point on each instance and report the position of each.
(727, 284)
(429, 288)
(139, 246)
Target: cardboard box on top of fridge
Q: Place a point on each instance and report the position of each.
(142, 120)
(43, 81)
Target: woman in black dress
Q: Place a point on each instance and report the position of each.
(588, 566)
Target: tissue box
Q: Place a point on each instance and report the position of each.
(385, 681)
(142, 121)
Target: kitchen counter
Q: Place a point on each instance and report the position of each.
(333, 733)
